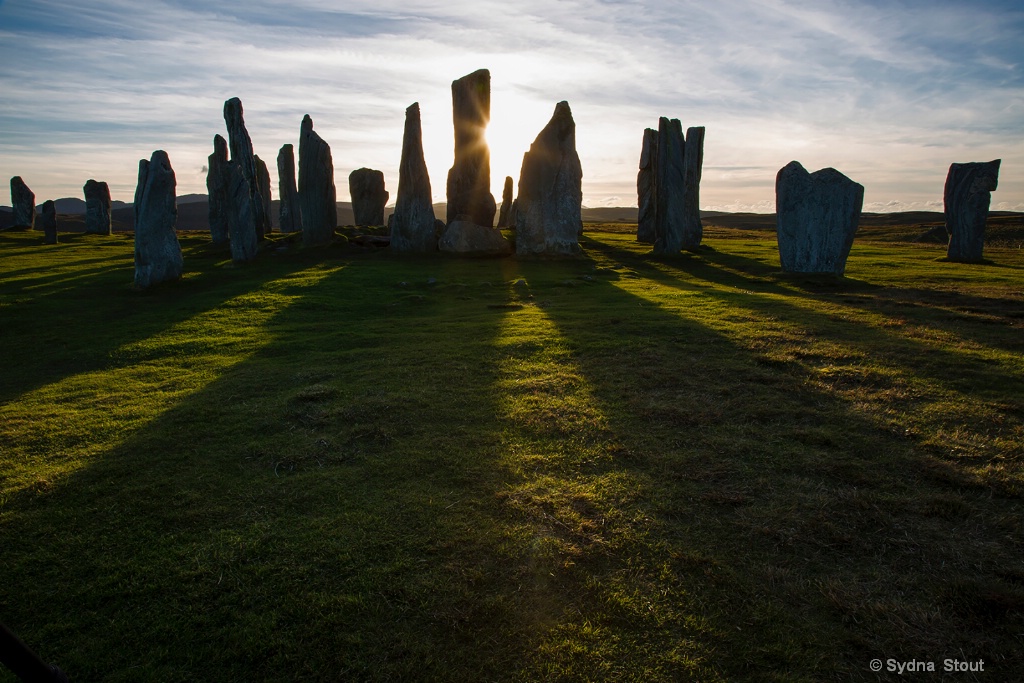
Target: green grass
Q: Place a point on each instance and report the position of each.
(348, 465)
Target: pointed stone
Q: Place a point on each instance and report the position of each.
(645, 229)
(289, 214)
(97, 208)
(506, 203)
(469, 180)
(217, 192)
(263, 187)
(413, 222)
(48, 222)
(670, 187)
(317, 194)
(818, 214)
(967, 196)
(366, 188)
(548, 214)
(23, 201)
(240, 146)
(157, 252)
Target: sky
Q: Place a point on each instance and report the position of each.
(888, 92)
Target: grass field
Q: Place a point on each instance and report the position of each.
(349, 465)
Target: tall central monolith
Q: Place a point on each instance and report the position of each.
(469, 180)
(317, 194)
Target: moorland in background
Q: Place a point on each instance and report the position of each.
(342, 464)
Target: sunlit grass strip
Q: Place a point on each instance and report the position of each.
(54, 430)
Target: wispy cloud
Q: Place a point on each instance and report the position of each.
(888, 93)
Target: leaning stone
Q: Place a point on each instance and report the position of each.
(317, 194)
(263, 186)
(23, 201)
(97, 208)
(49, 222)
(469, 239)
(548, 216)
(645, 229)
(817, 216)
(217, 192)
(366, 187)
(967, 196)
(506, 203)
(242, 154)
(157, 252)
(289, 214)
(469, 180)
(412, 224)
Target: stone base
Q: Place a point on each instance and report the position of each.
(469, 239)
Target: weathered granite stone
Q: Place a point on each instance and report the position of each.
(506, 203)
(241, 230)
(548, 215)
(48, 222)
(217, 192)
(967, 195)
(97, 208)
(157, 252)
(23, 201)
(817, 215)
(263, 188)
(645, 229)
(470, 239)
(287, 194)
(670, 199)
(693, 162)
(366, 187)
(242, 153)
(317, 194)
(413, 222)
(469, 180)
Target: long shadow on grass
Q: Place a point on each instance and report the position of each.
(771, 506)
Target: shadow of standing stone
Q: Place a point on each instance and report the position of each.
(317, 194)
(97, 208)
(818, 215)
(967, 195)
(23, 201)
(366, 188)
(548, 213)
(157, 252)
(49, 222)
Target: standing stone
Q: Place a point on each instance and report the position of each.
(469, 180)
(817, 216)
(157, 252)
(548, 216)
(289, 214)
(97, 208)
(645, 229)
(366, 187)
(241, 230)
(412, 223)
(967, 196)
(217, 192)
(669, 194)
(506, 203)
(693, 162)
(317, 195)
(49, 222)
(23, 201)
(263, 187)
(241, 153)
